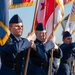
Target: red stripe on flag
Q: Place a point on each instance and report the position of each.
(25, 1)
(73, 8)
(49, 6)
(45, 14)
(49, 9)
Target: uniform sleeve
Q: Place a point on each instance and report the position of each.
(73, 49)
(67, 47)
(40, 51)
(48, 46)
(13, 47)
(58, 53)
(22, 45)
(43, 48)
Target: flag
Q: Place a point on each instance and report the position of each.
(19, 3)
(69, 22)
(45, 14)
(64, 22)
(3, 21)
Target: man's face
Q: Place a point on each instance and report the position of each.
(67, 40)
(16, 29)
(41, 35)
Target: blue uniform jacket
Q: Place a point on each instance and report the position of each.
(39, 61)
(13, 53)
(64, 67)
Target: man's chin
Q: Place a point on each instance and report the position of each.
(19, 35)
(43, 40)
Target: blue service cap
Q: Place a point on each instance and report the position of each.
(40, 27)
(66, 34)
(15, 19)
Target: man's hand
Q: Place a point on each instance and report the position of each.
(33, 45)
(52, 38)
(56, 47)
(31, 36)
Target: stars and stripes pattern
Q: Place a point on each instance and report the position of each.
(73, 8)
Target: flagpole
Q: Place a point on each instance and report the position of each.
(51, 59)
(36, 8)
(32, 30)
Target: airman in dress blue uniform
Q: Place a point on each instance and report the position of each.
(13, 53)
(39, 62)
(67, 48)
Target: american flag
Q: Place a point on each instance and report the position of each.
(72, 12)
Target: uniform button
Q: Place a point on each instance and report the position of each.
(41, 67)
(23, 58)
(22, 65)
(42, 64)
(13, 68)
(21, 73)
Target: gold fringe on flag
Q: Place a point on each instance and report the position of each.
(26, 4)
(6, 36)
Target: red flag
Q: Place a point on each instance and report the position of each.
(45, 14)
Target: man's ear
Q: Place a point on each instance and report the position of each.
(9, 28)
(35, 32)
(63, 40)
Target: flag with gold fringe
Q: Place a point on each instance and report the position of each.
(19, 3)
(64, 22)
(69, 21)
(4, 21)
